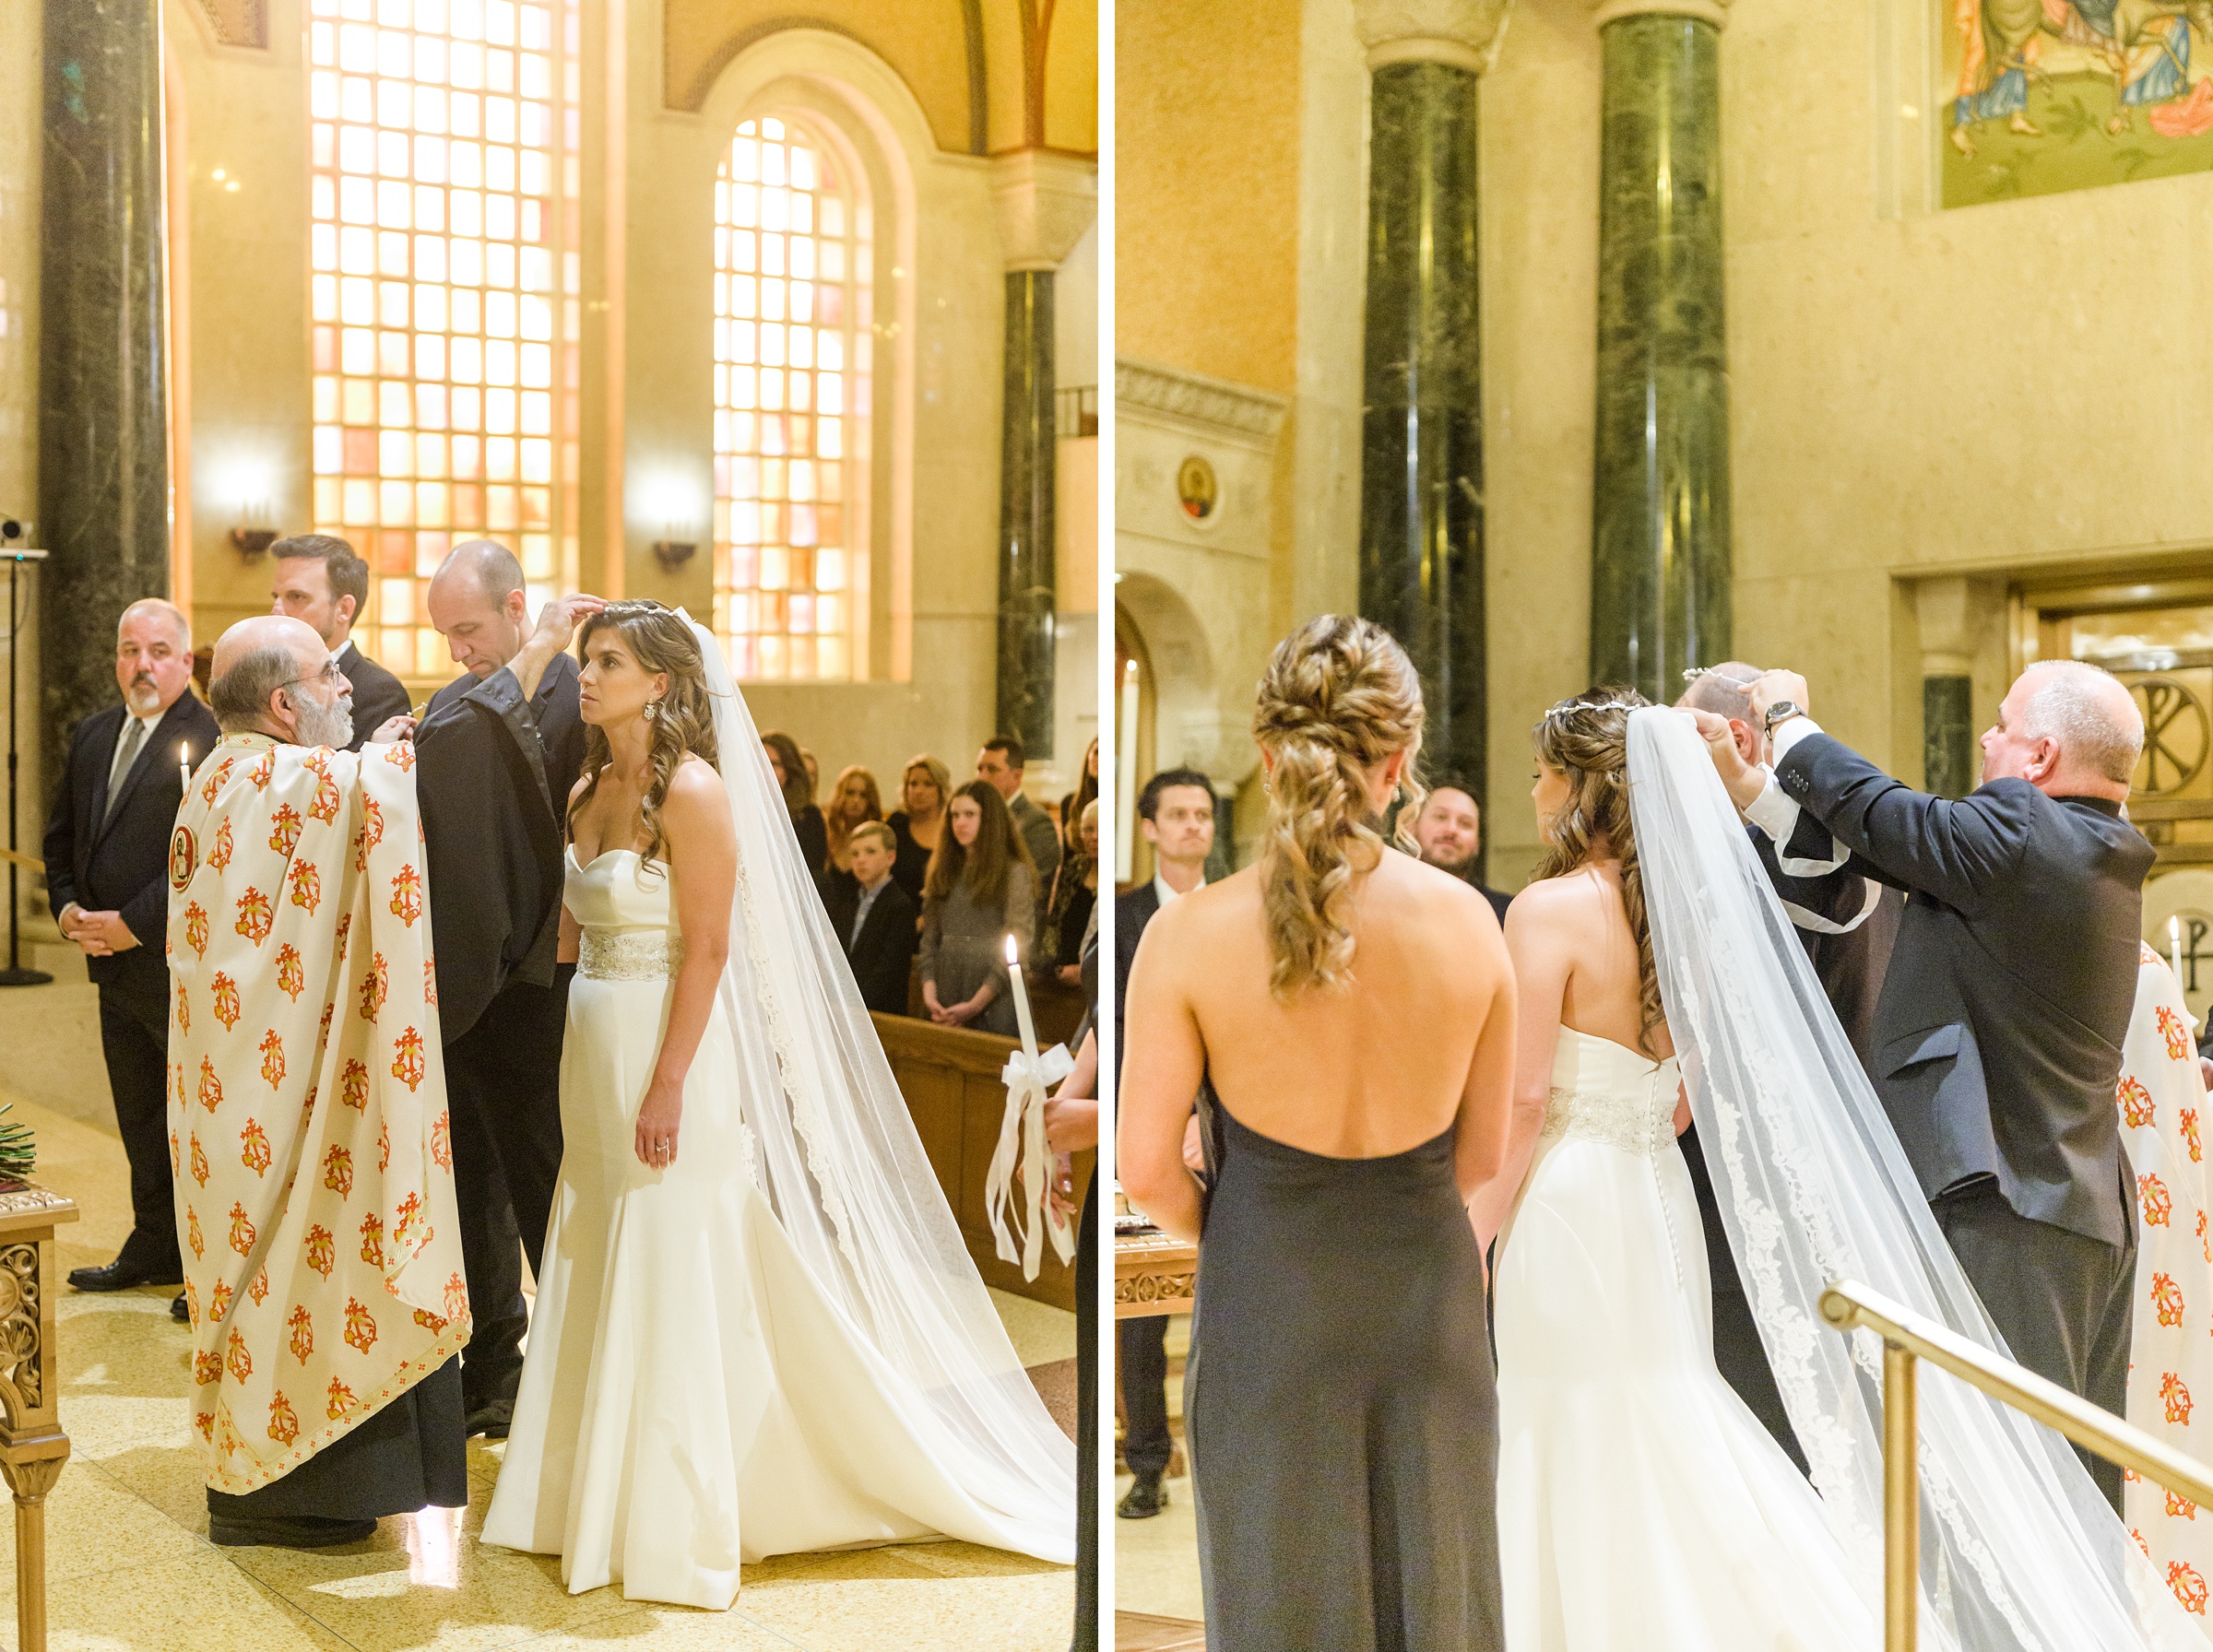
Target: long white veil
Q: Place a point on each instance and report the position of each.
(2018, 1549)
(840, 1160)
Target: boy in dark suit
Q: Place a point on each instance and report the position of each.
(319, 580)
(875, 919)
(107, 864)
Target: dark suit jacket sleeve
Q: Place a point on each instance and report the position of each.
(1836, 897)
(492, 849)
(63, 826)
(378, 697)
(1955, 850)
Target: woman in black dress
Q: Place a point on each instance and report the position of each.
(807, 821)
(1075, 895)
(923, 789)
(1344, 1017)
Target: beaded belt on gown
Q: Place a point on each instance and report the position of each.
(1635, 1124)
(629, 955)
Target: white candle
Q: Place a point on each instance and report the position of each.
(1022, 1000)
(2174, 949)
(184, 763)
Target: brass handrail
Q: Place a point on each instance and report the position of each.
(1908, 1337)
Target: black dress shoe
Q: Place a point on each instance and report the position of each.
(1143, 1500)
(491, 1420)
(178, 1311)
(288, 1532)
(123, 1274)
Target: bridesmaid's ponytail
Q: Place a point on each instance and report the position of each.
(1587, 738)
(1340, 696)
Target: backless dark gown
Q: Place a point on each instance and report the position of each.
(1341, 1415)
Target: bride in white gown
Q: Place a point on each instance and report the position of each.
(1640, 1503)
(757, 1331)
(1617, 1436)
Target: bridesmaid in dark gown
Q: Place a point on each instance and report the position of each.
(1340, 1408)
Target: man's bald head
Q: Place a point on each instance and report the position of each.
(158, 611)
(477, 602)
(1723, 689)
(268, 678)
(2070, 729)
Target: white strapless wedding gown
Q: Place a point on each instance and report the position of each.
(1640, 1503)
(691, 1399)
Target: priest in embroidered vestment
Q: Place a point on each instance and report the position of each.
(308, 1125)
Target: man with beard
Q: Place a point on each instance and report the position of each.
(107, 846)
(307, 1130)
(500, 746)
(1449, 830)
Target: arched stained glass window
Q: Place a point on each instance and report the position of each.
(792, 370)
(443, 280)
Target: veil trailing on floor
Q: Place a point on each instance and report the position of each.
(2019, 1550)
(839, 1160)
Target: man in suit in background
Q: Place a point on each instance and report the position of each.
(320, 580)
(1998, 1035)
(1450, 830)
(107, 865)
(1000, 762)
(1175, 815)
(875, 919)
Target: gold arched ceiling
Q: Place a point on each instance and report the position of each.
(990, 74)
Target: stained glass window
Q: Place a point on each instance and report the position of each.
(791, 399)
(443, 275)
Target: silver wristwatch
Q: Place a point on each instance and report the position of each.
(1780, 712)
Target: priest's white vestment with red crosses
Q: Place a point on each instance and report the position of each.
(307, 1116)
(2163, 1126)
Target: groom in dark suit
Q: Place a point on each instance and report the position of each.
(107, 877)
(1998, 1035)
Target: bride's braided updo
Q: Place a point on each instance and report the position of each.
(1339, 697)
(1587, 738)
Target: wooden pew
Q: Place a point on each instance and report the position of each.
(949, 1078)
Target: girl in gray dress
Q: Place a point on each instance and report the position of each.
(981, 889)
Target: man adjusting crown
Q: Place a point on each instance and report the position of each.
(307, 1114)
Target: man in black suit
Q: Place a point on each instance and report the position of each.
(319, 580)
(107, 877)
(501, 747)
(1450, 830)
(1998, 1033)
(1175, 815)
(875, 919)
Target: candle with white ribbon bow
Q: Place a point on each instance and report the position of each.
(1025, 1218)
(1021, 1001)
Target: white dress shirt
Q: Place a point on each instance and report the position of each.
(1165, 893)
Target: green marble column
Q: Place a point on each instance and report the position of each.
(1659, 571)
(103, 445)
(1421, 466)
(1947, 736)
(1025, 515)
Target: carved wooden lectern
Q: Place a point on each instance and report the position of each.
(33, 1445)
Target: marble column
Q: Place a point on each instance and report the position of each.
(103, 450)
(1660, 562)
(1421, 466)
(1045, 203)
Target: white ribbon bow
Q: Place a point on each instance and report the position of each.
(1021, 1224)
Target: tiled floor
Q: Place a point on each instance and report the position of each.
(130, 1569)
(1156, 1561)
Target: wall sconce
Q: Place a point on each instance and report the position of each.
(673, 554)
(253, 542)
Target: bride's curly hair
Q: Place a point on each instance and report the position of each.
(1339, 697)
(1586, 738)
(660, 640)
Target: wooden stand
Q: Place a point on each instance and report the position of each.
(33, 1445)
(1153, 1273)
